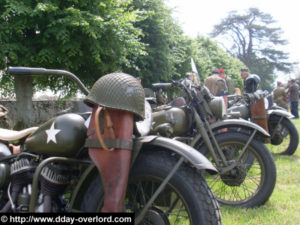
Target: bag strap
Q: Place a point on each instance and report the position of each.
(110, 143)
(98, 128)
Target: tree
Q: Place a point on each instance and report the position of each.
(162, 37)
(255, 41)
(89, 38)
(208, 56)
(169, 51)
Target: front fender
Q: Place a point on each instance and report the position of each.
(157, 143)
(241, 123)
(279, 112)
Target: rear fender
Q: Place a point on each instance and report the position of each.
(244, 124)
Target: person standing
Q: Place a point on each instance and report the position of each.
(244, 75)
(280, 95)
(214, 83)
(294, 97)
(229, 81)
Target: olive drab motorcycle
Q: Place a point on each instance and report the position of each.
(104, 163)
(247, 173)
(274, 119)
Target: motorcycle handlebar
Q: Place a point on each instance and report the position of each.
(29, 71)
(161, 85)
(25, 71)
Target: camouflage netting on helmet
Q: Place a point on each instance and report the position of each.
(118, 91)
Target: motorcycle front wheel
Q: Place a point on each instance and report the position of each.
(251, 179)
(186, 199)
(284, 136)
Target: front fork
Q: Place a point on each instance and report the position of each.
(219, 158)
(142, 214)
(277, 127)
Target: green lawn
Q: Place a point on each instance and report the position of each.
(284, 205)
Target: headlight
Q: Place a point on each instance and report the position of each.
(143, 127)
(218, 107)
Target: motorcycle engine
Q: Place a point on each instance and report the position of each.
(54, 180)
(4, 167)
(19, 189)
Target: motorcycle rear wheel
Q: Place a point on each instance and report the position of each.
(249, 184)
(285, 141)
(186, 199)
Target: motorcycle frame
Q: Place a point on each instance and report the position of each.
(277, 111)
(200, 110)
(185, 152)
(159, 143)
(205, 132)
(43, 164)
(280, 113)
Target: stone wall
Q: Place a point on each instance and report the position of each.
(45, 110)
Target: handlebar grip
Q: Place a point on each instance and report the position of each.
(26, 71)
(161, 85)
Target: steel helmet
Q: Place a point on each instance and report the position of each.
(118, 91)
(251, 83)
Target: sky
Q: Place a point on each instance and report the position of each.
(198, 17)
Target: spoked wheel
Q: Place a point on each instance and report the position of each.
(248, 181)
(185, 200)
(284, 136)
(168, 209)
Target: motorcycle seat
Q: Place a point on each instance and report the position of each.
(13, 135)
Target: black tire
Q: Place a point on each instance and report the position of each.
(240, 188)
(148, 172)
(285, 141)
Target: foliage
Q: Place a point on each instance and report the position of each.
(255, 41)
(209, 56)
(88, 38)
(92, 38)
(163, 38)
(169, 51)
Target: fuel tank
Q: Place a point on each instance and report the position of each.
(61, 136)
(173, 119)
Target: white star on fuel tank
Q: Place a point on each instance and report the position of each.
(51, 134)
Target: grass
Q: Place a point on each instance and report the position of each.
(283, 207)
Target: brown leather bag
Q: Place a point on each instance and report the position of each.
(112, 154)
(259, 114)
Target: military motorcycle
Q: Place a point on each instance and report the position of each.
(70, 164)
(253, 104)
(247, 173)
